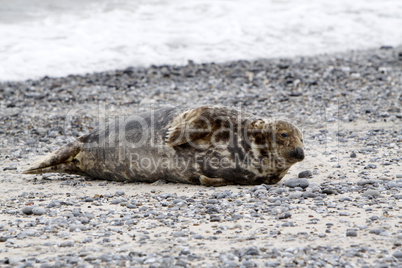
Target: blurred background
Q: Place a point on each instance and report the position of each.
(58, 38)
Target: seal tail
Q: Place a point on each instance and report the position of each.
(59, 161)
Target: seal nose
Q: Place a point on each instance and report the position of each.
(299, 153)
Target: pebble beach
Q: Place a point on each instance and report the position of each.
(340, 207)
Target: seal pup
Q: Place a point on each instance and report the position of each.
(206, 145)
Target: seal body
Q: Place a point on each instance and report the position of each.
(204, 145)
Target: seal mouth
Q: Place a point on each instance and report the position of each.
(298, 154)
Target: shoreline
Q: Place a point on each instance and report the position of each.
(348, 106)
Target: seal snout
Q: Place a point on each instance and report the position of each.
(298, 153)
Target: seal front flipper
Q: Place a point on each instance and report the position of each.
(204, 180)
(61, 161)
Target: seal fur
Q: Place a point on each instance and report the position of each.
(205, 145)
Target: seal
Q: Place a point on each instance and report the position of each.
(205, 145)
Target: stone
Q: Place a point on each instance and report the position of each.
(292, 183)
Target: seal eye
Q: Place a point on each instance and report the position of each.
(284, 135)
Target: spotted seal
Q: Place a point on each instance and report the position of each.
(204, 145)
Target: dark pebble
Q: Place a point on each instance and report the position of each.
(9, 168)
(215, 218)
(328, 191)
(66, 244)
(129, 71)
(351, 233)
(305, 174)
(285, 215)
(212, 209)
(252, 251)
(88, 199)
(27, 210)
(397, 196)
(377, 231)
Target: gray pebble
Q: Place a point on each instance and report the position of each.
(54, 203)
(197, 236)
(66, 244)
(179, 234)
(106, 257)
(118, 201)
(212, 209)
(120, 193)
(370, 166)
(377, 231)
(296, 195)
(237, 216)
(181, 263)
(393, 184)
(249, 263)
(292, 183)
(398, 254)
(372, 193)
(364, 182)
(271, 264)
(309, 194)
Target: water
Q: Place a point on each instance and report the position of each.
(57, 38)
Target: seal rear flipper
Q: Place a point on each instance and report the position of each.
(60, 161)
(68, 168)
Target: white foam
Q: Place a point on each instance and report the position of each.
(73, 38)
